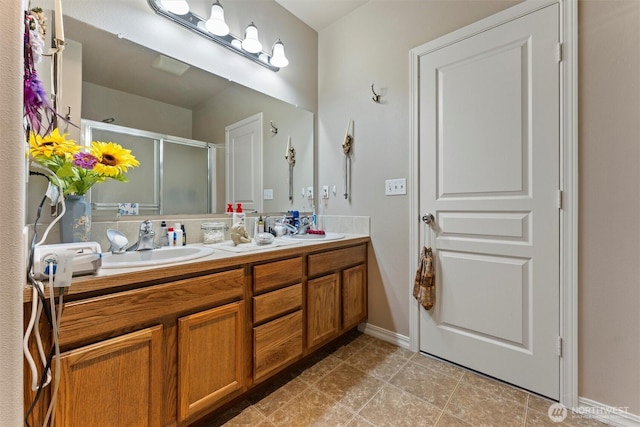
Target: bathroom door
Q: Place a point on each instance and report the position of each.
(489, 173)
(243, 147)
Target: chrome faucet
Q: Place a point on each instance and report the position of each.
(303, 225)
(145, 238)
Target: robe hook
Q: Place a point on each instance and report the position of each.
(375, 97)
(274, 130)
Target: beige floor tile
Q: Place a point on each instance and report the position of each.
(381, 362)
(540, 419)
(365, 382)
(346, 351)
(392, 348)
(485, 403)
(311, 408)
(539, 404)
(349, 386)
(314, 373)
(432, 386)
(447, 420)
(438, 365)
(499, 390)
(392, 407)
(281, 396)
(250, 417)
(358, 421)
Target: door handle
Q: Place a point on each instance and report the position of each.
(428, 218)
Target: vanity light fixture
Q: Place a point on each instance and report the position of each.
(178, 7)
(216, 29)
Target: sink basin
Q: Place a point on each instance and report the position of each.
(313, 237)
(164, 255)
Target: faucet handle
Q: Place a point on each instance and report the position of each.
(146, 226)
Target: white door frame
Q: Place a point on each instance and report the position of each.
(568, 177)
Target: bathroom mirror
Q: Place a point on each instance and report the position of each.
(129, 85)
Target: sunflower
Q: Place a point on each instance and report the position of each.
(52, 144)
(113, 160)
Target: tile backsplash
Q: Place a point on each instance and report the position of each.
(130, 226)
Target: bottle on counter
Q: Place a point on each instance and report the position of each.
(184, 235)
(164, 238)
(171, 236)
(177, 240)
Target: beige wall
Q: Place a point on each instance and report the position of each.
(609, 159)
(12, 214)
(371, 45)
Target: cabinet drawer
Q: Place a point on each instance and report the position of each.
(275, 303)
(100, 316)
(277, 274)
(276, 344)
(325, 262)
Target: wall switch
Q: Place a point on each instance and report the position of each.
(395, 187)
(267, 194)
(325, 191)
(310, 193)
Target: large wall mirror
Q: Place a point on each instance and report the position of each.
(129, 85)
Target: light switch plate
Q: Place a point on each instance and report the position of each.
(395, 187)
(268, 194)
(325, 191)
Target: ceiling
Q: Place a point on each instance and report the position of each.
(319, 14)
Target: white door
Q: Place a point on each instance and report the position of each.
(489, 173)
(243, 145)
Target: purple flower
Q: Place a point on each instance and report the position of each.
(84, 160)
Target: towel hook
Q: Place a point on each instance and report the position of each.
(274, 130)
(375, 97)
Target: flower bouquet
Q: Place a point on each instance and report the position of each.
(77, 170)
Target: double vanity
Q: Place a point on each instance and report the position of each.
(169, 344)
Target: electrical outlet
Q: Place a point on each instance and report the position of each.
(325, 191)
(395, 187)
(310, 193)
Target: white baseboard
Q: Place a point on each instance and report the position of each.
(614, 416)
(618, 417)
(385, 335)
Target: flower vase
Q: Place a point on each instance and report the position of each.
(75, 224)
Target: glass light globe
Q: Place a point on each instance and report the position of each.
(215, 24)
(251, 43)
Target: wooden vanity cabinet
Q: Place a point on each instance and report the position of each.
(277, 316)
(157, 355)
(336, 293)
(170, 352)
(113, 382)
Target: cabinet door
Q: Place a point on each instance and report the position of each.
(117, 382)
(210, 357)
(323, 309)
(354, 296)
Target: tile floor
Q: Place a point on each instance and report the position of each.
(363, 381)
